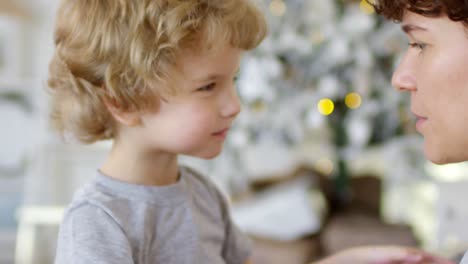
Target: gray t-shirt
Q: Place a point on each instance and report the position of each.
(110, 221)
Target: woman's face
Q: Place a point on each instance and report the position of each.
(434, 70)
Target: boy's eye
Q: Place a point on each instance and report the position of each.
(235, 79)
(417, 45)
(207, 88)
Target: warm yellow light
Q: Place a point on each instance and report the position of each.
(278, 7)
(324, 166)
(353, 100)
(326, 106)
(317, 37)
(259, 106)
(366, 7)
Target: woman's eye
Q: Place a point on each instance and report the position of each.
(417, 45)
(207, 88)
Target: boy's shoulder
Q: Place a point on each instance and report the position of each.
(98, 198)
(201, 183)
(205, 192)
(89, 199)
(193, 177)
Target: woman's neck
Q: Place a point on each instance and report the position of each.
(137, 165)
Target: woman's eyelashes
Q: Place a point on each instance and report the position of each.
(417, 45)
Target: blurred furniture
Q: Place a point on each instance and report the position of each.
(301, 251)
(30, 248)
(341, 232)
(16, 114)
(7, 246)
(357, 224)
(55, 173)
(357, 228)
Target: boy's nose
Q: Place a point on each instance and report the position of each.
(404, 78)
(232, 105)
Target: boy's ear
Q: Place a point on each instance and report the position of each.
(126, 117)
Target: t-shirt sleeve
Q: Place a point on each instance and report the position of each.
(237, 246)
(89, 235)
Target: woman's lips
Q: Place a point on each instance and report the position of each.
(420, 121)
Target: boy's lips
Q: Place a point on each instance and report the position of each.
(222, 132)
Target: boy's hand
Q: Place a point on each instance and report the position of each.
(383, 255)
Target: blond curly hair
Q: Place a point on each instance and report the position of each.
(124, 52)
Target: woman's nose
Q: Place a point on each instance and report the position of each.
(404, 79)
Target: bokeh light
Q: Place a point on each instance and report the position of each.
(278, 7)
(366, 7)
(326, 106)
(317, 37)
(353, 100)
(324, 166)
(259, 106)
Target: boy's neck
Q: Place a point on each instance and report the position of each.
(139, 166)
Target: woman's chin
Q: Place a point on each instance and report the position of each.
(441, 158)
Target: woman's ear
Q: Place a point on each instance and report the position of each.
(127, 117)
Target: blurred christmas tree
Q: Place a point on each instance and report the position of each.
(323, 76)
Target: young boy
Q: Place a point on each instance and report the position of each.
(156, 77)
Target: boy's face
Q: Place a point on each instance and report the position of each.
(196, 121)
(434, 70)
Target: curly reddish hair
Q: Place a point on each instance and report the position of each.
(456, 10)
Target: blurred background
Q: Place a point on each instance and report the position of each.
(323, 157)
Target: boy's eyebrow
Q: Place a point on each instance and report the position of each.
(213, 77)
(208, 78)
(408, 28)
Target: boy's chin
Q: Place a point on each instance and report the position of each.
(208, 155)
